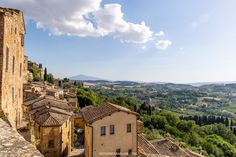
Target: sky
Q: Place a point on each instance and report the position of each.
(179, 41)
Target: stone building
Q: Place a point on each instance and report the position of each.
(110, 129)
(11, 64)
(56, 93)
(52, 126)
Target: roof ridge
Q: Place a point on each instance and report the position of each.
(92, 114)
(51, 117)
(122, 108)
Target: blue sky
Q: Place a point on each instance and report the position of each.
(201, 36)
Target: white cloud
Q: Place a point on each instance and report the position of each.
(163, 44)
(110, 21)
(81, 18)
(161, 33)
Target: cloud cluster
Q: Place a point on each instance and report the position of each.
(82, 18)
(163, 44)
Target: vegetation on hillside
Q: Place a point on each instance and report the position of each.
(36, 72)
(213, 139)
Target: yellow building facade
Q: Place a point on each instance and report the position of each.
(110, 130)
(51, 126)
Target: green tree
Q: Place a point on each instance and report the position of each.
(85, 101)
(50, 78)
(66, 79)
(36, 73)
(45, 74)
(185, 126)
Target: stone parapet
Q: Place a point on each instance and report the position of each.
(12, 144)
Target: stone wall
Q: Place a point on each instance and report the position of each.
(13, 144)
(11, 64)
(1, 56)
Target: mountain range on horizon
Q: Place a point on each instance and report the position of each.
(82, 77)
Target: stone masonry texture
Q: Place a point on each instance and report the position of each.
(12, 32)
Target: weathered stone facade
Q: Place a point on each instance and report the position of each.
(13, 144)
(52, 141)
(51, 126)
(11, 64)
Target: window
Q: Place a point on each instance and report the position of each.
(130, 152)
(112, 129)
(7, 58)
(22, 40)
(103, 131)
(20, 69)
(13, 65)
(51, 144)
(129, 127)
(13, 94)
(118, 153)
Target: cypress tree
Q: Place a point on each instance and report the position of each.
(45, 74)
(227, 122)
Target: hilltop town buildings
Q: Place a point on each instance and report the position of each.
(106, 130)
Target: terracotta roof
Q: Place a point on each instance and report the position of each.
(53, 90)
(145, 148)
(49, 108)
(32, 100)
(92, 114)
(47, 111)
(169, 148)
(49, 115)
(51, 119)
(47, 100)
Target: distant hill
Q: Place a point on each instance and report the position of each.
(198, 84)
(82, 77)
